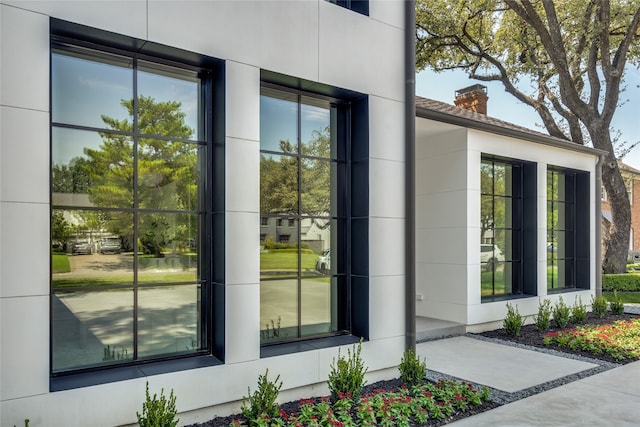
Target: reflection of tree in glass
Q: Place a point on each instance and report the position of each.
(492, 183)
(279, 177)
(71, 178)
(167, 170)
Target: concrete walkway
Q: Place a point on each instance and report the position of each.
(609, 398)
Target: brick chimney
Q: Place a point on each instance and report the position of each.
(473, 98)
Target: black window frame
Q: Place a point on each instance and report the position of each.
(523, 229)
(67, 36)
(577, 219)
(359, 6)
(353, 139)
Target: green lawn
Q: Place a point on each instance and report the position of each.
(627, 297)
(60, 263)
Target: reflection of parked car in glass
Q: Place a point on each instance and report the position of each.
(81, 246)
(491, 256)
(110, 245)
(323, 264)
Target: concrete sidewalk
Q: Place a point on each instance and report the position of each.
(609, 398)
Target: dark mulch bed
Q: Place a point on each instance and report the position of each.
(390, 385)
(530, 336)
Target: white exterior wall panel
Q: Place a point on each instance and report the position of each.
(311, 40)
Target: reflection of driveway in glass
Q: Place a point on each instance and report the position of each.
(86, 323)
(98, 264)
(279, 299)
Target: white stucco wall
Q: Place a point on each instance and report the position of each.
(448, 220)
(312, 40)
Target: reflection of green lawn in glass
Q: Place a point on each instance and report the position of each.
(279, 263)
(60, 263)
(487, 289)
(286, 261)
(124, 279)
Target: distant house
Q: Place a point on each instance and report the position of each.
(503, 213)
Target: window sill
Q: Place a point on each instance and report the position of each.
(122, 373)
(309, 345)
(499, 298)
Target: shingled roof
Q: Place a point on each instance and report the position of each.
(442, 112)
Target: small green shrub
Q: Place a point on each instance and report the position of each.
(561, 314)
(616, 305)
(412, 369)
(578, 311)
(599, 305)
(263, 400)
(543, 318)
(158, 411)
(513, 322)
(627, 282)
(347, 374)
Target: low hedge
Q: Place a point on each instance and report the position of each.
(621, 282)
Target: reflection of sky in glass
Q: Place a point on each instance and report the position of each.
(164, 88)
(279, 121)
(84, 90)
(70, 143)
(313, 119)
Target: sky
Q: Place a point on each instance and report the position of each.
(504, 106)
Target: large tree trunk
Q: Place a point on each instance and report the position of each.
(616, 247)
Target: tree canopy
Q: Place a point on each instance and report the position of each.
(573, 53)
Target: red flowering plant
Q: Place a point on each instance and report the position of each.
(620, 339)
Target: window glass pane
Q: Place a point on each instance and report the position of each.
(315, 131)
(89, 248)
(278, 184)
(278, 121)
(167, 248)
(278, 310)
(168, 320)
(91, 328)
(565, 274)
(504, 244)
(317, 234)
(279, 250)
(316, 187)
(486, 177)
(168, 174)
(503, 212)
(502, 179)
(171, 94)
(91, 169)
(87, 92)
(319, 300)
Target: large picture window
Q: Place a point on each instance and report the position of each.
(567, 229)
(302, 206)
(507, 223)
(128, 163)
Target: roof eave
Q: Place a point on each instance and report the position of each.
(453, 119)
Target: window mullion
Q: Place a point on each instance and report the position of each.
(299, 225)
(136, 216)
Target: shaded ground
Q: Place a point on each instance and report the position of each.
(530, 336)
